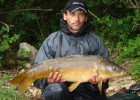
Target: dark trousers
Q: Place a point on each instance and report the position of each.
(59, 91)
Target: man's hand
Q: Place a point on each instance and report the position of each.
(54, 77)
(94, 79)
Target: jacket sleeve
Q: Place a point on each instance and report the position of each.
(45, 52)
(100, 47)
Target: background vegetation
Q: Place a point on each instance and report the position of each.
(8, 92)
(117, 22)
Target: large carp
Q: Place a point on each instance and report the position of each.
(74, 68)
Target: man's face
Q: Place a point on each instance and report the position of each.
(75, 19)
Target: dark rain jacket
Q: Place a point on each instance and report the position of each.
(64, 42)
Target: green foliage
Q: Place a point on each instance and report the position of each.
(2, 2)
(136, 19)
(22, 56)
(116, 32)
(2, 83)
(135, 71)
(111, 28)
(6, 77)
(131, 50)
(9, 92)
(28, 16)
(119, 27)
(6, 41)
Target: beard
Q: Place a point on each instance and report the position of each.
(74, 28)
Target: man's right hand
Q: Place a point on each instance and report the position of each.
(54, 78)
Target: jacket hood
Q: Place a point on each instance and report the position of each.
(83, 30)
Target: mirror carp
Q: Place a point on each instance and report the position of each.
(74, 68)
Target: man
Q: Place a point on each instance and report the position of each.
(74, 38)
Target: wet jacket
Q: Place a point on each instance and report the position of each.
(64, 43)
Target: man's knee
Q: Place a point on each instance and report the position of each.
(55, 88)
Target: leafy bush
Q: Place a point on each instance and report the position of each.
(130, 51)
(117, 23)
(135, 71)
(6, 42)
(23, 55)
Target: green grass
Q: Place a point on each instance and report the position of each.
(1, 83)
(8, 92)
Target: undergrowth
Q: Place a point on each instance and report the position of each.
(7, 91)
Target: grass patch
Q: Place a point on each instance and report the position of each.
(8, 92)
(1, 83)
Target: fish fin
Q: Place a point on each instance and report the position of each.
(18, 79)
(100, 85)
(73, 86)
(24, 85)
(95, 69)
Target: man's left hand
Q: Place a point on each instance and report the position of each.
(94, 79)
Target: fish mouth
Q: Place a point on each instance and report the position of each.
(122, 73)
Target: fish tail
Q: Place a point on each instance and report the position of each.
(24, 85)
(19, 78)
(23, 81)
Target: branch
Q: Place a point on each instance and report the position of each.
(109, 5)
(31, 30)
(7, 26)
(38, 9)
(92, 14)
(136, 2)
(125, 2)
(130, 7)
(39, 27)
(132, 3)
